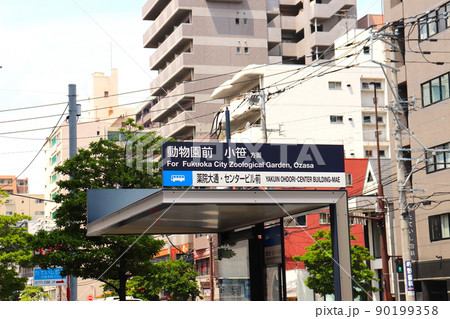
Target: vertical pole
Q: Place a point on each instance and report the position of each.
(263, 116)
(211, 268)
(72, 285)
(227, 125)
(381, 210)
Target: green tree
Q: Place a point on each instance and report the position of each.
(319, 264)
(31, 293)
(110, 259)
(174, 278)
(14, 250)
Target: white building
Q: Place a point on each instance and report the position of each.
(320, 103)
(104, 116)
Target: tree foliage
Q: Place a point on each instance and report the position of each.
(173, 278)
(31, 293)
(14, 251)
(110, 259)
(319, 264)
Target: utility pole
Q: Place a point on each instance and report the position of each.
(72, 285)
(211, 268)
(263, 116)
(381, 216)
(401, 169)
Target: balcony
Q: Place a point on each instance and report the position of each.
(172, 15)
(152, 8)
(172, 101)
(174, 44)
(174, 71)
(178, 124)
(327, 10)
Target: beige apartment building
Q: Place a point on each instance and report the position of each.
(19, 201)
(423, 29)
(199, 44)
(103, 118)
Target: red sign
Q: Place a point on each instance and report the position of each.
(90, 298)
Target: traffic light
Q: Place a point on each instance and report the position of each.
(399, 265)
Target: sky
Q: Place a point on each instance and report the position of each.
(45, 45)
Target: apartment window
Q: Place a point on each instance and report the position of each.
(55, 159)
(334, 85)
(5, 181)
(369, 85)
(9, 201)
(54, 140)
(382, 154)
(439, 227)
(366, 50)
(366, 119)
(202, 266)
(438, 158)
(238, 50)
(54, 178)
(245, 20)
(434, 22)
(336, 119)
(324, 218)
(246, 50)
(9, 213)
(236, 21)
(380, 119)
(38, 201)
(106, 94)
(368, 153)
(435, 90)
(39, 213)
(348, 179)
(300, 221)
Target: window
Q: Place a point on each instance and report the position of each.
(236, 21)
(334, 85)
(336, 119)
(300, 221)
(246, 50)
(382, 154)
(438, 158)
(380, 119)
(366, 119)
(9, 201)
(238, 50)
(38, 201)
(366, 50)
(369, 85)
(54, 140)
(106, 94)
(202, 266)
(54, 178)
(324, 218)
(348, 179)
(434, 22)
(439, 227)
(9, 213)
(55, 159)
(245, 20)
(39, 213)
(435, 90)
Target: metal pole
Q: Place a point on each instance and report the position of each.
(263, 116)
(227, 125)
(381, 210)
(211, 269)
(72, 285)
(404, 227)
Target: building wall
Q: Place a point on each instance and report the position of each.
(429, 125)
(200, 44)
(32, 205)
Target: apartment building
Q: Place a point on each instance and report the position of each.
(326, 104)
(423, 30)
(199, 44)
(103, 118)
(19, 201)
